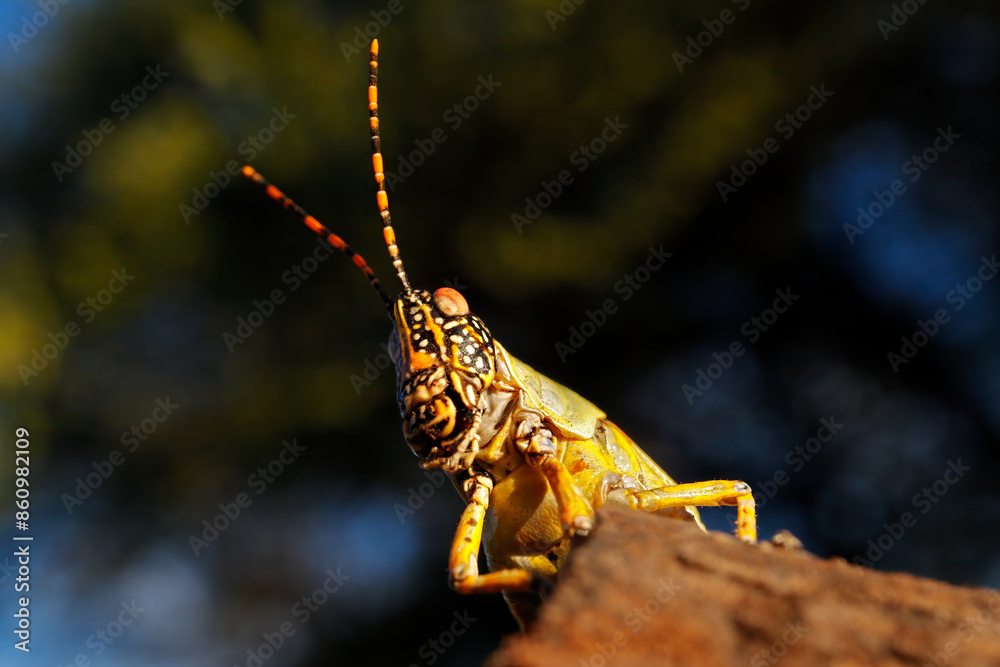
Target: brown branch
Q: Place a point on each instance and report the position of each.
(645, 590)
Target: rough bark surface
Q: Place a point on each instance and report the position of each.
(645, 590)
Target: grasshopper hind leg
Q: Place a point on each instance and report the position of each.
(703, 494)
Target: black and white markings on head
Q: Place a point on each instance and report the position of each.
(440, 328)
(466, 338)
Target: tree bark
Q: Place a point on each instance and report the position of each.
(647, 590)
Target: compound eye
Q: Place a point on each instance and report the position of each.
(450, 302)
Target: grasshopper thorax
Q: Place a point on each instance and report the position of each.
(445, 360)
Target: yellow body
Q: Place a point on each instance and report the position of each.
(522, 528)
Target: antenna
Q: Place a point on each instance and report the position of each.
(382, 197)
(317, 226)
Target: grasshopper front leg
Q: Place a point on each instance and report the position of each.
(464, 564)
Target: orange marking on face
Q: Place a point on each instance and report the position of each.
(413, 359)
(389, 235)
(444, 410)
(383, 200)
(434, 327)
(420, 360)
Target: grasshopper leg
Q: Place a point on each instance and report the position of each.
(574, 512)
(713, 493)
(463, 564)
(539, 450)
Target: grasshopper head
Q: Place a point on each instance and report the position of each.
(445, 360)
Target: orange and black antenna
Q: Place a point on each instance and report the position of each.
(317, 226)
(382, 196)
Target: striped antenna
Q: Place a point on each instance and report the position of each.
(315, 225)
(382, 197)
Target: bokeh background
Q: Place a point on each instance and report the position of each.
(66, 227)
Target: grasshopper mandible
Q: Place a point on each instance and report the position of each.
(532, 459)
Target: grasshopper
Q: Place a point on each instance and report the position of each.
(532, 459)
